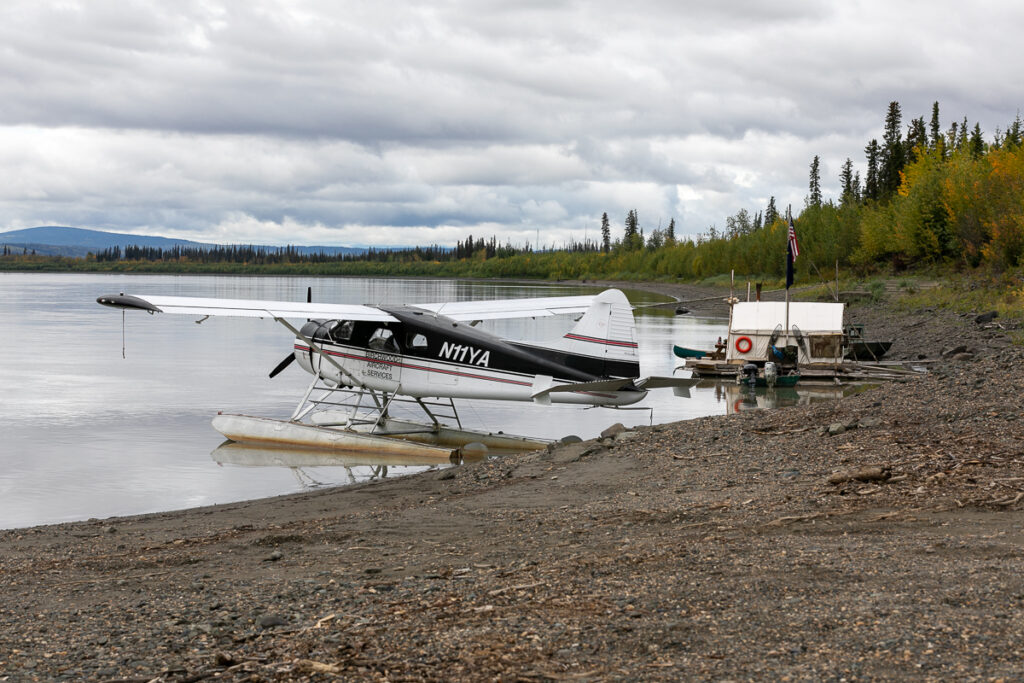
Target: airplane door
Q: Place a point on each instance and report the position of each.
(382, 367)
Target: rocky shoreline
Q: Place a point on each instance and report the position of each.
(874, 537)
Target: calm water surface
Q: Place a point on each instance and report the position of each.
(91, 434)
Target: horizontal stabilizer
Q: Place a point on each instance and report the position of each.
(662, 382)
(680, 385)
(543, 395)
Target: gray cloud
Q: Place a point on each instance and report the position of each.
(398, 123)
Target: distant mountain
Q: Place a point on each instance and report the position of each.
(52, 240)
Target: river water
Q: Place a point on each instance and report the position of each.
(101, 420)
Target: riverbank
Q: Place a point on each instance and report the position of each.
(874, 537)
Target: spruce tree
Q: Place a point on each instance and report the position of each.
(632, 233)
(977, 144)
(1014, 134)
(871, 179)
(814, 199)
(937, 141)
(961, 138)
(771, 214)
(606, 233)
(917, 139)
(670, 232)
(846, 180)
(893, 158)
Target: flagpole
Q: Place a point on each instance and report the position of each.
(789, 221)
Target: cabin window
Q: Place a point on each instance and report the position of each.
(383, 339)
(341, 331)
(416, 341)
(825, 346)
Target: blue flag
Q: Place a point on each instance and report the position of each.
(792, 251)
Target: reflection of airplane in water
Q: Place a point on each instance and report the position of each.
(739, 398)
(358, 467)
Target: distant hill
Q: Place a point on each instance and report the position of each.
(53, 240)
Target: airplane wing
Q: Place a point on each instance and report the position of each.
(494, 309)
(248, 308)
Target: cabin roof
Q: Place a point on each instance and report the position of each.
(762, 317)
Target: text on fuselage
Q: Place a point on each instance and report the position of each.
(464, 354)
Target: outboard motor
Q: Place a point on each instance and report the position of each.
(771, 373)
(748, 374)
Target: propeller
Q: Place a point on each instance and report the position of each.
(287, 360)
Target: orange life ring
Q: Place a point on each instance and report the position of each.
(743, 344)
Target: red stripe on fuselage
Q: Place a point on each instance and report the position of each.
(410, 366)
(597, 340)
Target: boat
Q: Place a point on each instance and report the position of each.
(687, 352)
(859, 348)
(867, 350)
(684, 352)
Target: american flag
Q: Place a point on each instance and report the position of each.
(794, 248)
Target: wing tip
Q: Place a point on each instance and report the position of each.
(127, 301)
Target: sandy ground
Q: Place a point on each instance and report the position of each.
(874, 537)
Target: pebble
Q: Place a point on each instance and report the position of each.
(270, 621)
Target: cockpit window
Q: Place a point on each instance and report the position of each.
(383, 339)
(341, 331)
(416, 340)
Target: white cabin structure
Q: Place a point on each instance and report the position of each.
(751, 324)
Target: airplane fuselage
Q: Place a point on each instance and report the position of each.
(428, 355)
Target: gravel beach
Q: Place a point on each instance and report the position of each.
(880, 536)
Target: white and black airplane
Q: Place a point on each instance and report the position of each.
(434, 351)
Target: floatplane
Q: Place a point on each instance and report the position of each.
(365, 360)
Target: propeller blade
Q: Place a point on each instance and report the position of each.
(282, 365)
(309, 295)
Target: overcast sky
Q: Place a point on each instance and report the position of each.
(400, 123)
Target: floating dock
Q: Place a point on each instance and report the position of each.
(846, 371)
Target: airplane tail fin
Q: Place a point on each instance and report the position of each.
(607, 333)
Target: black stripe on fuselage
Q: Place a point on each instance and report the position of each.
(594, 366)
(464, 346)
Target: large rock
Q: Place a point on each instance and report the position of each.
(616, 428)
(836, 428)
(986, 318)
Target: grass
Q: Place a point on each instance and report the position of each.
(1003, 293)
